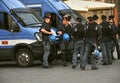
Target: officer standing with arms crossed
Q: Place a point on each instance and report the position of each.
(91, 38)
(78, 41)
(46, 31)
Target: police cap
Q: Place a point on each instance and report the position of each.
(46, 16)
(103, 17)
(78, 19)
(111, 17)
(95, 17)
(90, 18)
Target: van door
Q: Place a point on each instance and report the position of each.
(9, 31)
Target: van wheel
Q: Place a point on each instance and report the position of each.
(24, 58)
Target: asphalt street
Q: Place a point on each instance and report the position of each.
(11, 73)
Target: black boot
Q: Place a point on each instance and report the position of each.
(94, 68)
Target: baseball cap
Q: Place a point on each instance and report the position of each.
(46, 17)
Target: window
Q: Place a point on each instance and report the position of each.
(38, 11)
(26, 17)
(6, 22)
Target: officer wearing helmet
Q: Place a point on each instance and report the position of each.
(46, 31)
(105, 41)
(65, 30)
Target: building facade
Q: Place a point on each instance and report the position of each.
(100, 12)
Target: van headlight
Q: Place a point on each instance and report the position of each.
(38, 36)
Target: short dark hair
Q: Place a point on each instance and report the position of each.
(78, 19)
(95, 17)
(63, 15)
(111, 17)
(103, 17)
(90, 18)
(69, 18)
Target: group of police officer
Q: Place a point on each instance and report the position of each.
(86, 38)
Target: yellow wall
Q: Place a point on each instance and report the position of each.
(98, 12)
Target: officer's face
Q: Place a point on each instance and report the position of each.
(47, 20)
(111, 21)
(64, 22)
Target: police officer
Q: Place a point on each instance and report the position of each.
(114, 34)
(105, 41)
(90, 20)
(64, 27)
(91, 36)
(46, 31)
(78, 41)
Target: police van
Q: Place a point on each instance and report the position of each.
(56, 8)
(18, 38)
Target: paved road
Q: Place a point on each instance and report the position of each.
(11, 73)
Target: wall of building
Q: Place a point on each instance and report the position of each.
(98, 12)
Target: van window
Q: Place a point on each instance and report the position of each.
(7, 22)
(26, 17)
(37, 11)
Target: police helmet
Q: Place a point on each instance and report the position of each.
(96, 52)
(66, 37)
(53, 38)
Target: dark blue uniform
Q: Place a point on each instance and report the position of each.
(78, 43)
(91, 36)
(64, 44)
(105, 43)
(114, 39)
(46, 44)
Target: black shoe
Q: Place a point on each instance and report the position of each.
(104, 64)
(94, 68)
(83, 67)
(64, 64)
(74, 67)
(110, 63)
(46, 67)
